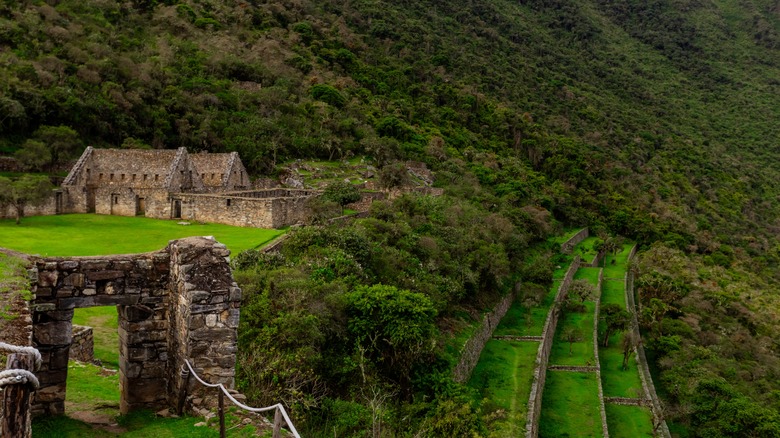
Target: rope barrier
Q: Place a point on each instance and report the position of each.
(19, 376)
(278, 406)
(16, 377)
(8, 348)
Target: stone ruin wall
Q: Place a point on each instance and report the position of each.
(246, 209)
(82, 347)
(568, 246)
(543, 354)
(175, 304)
(469, 355)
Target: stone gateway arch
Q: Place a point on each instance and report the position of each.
(174, 304)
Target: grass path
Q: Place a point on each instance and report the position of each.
(92, 234)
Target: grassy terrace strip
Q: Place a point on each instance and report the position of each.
(503, 379)
(91, 234)
(570, 405)
(521, 320)
(586, 251)
(629, 421)
(582, 350)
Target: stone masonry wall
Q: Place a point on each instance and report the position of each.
(82, 347)
(177, 303)
(243, 212)
(469, 355)
(205, 315)
(568, 246)
(543, 354)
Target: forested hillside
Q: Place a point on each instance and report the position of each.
(655, 120)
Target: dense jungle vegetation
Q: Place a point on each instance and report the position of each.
(655, 120)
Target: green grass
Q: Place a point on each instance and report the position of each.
(582, 351)
(585, 249)
(590, 274)
(503, 378)
(570, 405)
(629, 421)
(614, 380)
(91, 234)
(568, 234)
(615, 265)
(613, 292)
(92, 389)
(104, 322)
(524, 321)
(141, 424)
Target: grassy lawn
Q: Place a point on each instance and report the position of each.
(629, 421)
(524, 321)
(615, 381)
(613, 292)
(590, 274)
(615, 265)
(585, 249)
(104, 321)
(140, 424)
(91, 234)
(582, 351)
(92, 389)
(570, 405)
(503, 378)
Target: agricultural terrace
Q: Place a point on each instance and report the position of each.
(92, 234)
(504, 374)
(617, 381)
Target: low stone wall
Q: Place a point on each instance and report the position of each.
(602, 408)
(469, 355)
(543, 353)
(641, 358)
(568, 246)
(82, 348)
(366, 199)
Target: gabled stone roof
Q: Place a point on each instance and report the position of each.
(214, 169)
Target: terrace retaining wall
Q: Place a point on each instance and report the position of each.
(568, 246)
(543, 353)
(659, 423)
(471, 351)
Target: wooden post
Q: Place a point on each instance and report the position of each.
(221, 413)
(185, 381)
(16, 400)
(277, 433)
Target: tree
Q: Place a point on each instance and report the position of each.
(630, 343)
(572, 335)
(342, 193)
(615, 318)
(27, 190)
(579, 291)
(395, 326)
(63, 141)
(33, 155)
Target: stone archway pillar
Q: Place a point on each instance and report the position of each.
(204, 315)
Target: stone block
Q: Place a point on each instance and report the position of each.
(64, 292)
(145, 390)
(50, 266)
(48, 278)
(123, 265)
(153, 370)
(74, 302)
(53, 333)
(211, 320)
(200, 296)
(76, 279)
(217, 299)
(131, 370)
(233, 318)
(58, 359)
(213, 334)
(140, 353)
(207, 308)
(50, 393)
(107, 300)
(137, 312)
(235, 294)
(68, 265)
(88, 292)
(53, 377)
(94, 265)
(105, 275)
(43, 307)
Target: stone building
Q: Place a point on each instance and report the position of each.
(173, 184)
